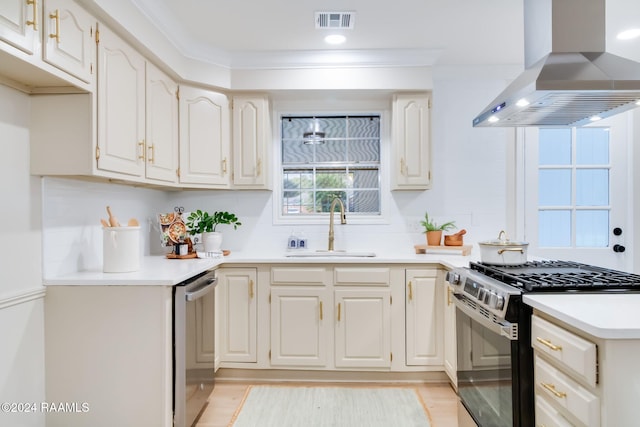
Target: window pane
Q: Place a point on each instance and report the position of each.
(331, 151)
(592, 228)
(592, 187)
(365, 201)
(554, 187)
(554, 147)
(324, 199)
(592, 146)
(364, 178)
(554, 229)
(296, 152)
(364, 151)
(331, 179)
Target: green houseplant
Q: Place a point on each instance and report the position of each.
(433, 230)
(204, 223)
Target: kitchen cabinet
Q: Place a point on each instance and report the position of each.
(121, 106)
(424, 317)
(20, 21)
(162, 133)
(69, 38)
(362, 304)
(411, 133)
(109, 347)
(300, 314)
(450, 348)
(565, 372)
(204, 138)
(251, 141)
(47, 46)
(238, 314)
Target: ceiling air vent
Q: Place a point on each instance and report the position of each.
(335, 20)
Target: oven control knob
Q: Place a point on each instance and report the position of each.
(453, 278)
(492, 299)
(499, 302)
(481, 294)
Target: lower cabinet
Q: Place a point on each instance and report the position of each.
(423, 317)
(449, 343)
(238, 314)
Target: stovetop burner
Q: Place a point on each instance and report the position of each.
(554, 276)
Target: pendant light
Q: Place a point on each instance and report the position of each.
(314, 135)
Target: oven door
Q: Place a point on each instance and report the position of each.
(486, 352)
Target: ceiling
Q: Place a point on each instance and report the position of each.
(255, 33)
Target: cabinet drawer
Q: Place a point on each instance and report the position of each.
(575, 354)
(548, 416)
(361, 276)
(563, 392)
(299, 276)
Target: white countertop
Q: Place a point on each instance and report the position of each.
(606, 316)
(160, 271)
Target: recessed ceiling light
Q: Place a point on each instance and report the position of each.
(335, 39)
(522, 102)
(493, 119)
(629, 34)
(595, 118)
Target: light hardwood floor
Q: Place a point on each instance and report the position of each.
(440, 399)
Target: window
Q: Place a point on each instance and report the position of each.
(324, 157)
(573, 187)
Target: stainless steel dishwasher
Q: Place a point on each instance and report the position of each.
(193, 378)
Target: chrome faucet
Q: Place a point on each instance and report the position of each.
(343, 219)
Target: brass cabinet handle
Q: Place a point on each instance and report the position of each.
(56, 16)
(259, 167)
(151, 155)
(449, 292)
(321, 310)
(339, 309)
(34, 7)
(410, 291)
(141, 149)
(552, 389)
(402, 167)
(549, 344)
(224, 166)
(251, 288)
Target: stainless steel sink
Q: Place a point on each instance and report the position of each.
(333, 254)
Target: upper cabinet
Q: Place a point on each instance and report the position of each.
(47, 44)
(162, 133)
(411, 142)
(20, 23)
(69, 41)
(121, 106)
(204, 138)
(251, 142)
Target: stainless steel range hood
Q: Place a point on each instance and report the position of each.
(569, 79)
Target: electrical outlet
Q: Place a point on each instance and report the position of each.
(413, 225)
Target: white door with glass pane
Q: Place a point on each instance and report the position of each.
(576, 193)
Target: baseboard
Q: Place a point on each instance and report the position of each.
(285, 375)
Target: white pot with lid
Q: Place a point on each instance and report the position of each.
(503, 251)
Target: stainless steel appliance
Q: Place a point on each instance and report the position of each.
(495, 358)
(192, 382)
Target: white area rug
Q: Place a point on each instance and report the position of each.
(289, 406)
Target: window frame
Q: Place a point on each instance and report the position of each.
(321, 218)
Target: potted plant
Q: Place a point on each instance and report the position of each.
(201, 222)
(434, 230)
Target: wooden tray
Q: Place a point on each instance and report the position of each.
(445, 250)
(187, 256)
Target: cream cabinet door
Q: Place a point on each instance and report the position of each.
(450, 346)
(69, 41)
(411, 142)
(301, 326)
(423, 311)
(251, 141)
(238, 314)
(121, 106)
(204, 138)
(362, 328)
(20, 23)
(161, 126)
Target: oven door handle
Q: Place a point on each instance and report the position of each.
(504, 328)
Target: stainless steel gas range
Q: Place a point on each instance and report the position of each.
(493, 326)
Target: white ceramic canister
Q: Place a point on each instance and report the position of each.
(121, 249)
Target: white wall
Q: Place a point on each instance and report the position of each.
(21, 290)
